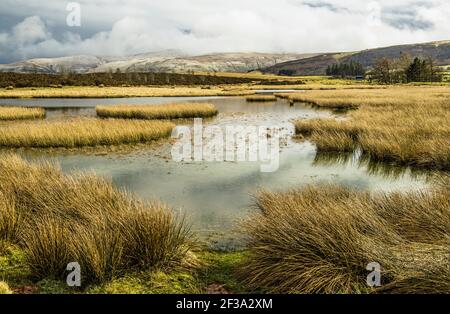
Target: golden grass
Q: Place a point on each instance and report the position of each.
(20, 113)
(120, 92)
(408, 126)
(319, 239)
(58, 219)
(261, 98)
(83, 132)
(165, 111)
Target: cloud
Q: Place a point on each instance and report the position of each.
(119, 27)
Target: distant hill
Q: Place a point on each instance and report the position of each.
(316, 65)
(170, 61)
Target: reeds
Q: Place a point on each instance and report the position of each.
(320, 239)
(164, 111)
(20, 113)
(119, 92)
(58, 219)
(261, 98)
(408, 127)
(82, 132)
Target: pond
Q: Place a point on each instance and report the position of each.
(215, 196)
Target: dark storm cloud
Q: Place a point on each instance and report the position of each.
(37, 28)
(402, 18)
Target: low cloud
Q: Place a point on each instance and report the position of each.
(120, 27)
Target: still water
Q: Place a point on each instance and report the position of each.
(215, 196)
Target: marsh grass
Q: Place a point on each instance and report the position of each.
(319, 239)
(82, 132)
(261, 98)
(20, 113)
(164, 111)
(57, 219)
(120, 92)
(408, 127)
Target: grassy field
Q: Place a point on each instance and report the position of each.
(56, 219)
(319, 239)
(165, 111)
(122, 92)
(20, 113)
(82, 132)
(408, 125)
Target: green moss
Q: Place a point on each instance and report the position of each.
(216, 272)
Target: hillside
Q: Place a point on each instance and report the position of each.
(170, 61)
(316, 65)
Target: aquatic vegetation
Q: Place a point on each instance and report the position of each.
(261, 98)
(120, 92)
(408, 127)
(20, 113)
(320, 239)
(83, 132)
(57, 219)
(164, 111)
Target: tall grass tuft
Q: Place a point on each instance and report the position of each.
(21, 113)
(261, 98)
(83, 132)
(406, 127)
(165, 111)
(319, 239)
(82, 218)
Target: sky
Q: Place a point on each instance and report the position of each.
(53, 28)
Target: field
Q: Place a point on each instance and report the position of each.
(166, 111)
(82, 132)
(407, 125)
(121, 92)
(20, 113)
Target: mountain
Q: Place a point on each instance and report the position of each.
(316, 65)
(171, 61)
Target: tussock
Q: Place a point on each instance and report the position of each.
(20, 113)
(165, 111)
(58, 219)
(82, 132)
(319, 239)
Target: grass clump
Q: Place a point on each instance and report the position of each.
(57, 219)
(82, 132)
(165, 111)
(319, 239)
(261, 98)
(21, 113)
(408, 128)
(4, 288)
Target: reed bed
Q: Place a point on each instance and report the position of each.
(165, 111)
(119, 92)
(320, 239)
(20, 113)
(58, 219)
(83, 132)
(261, 98)
(408, 127)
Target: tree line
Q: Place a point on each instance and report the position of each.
(346, 69)
(405, 70)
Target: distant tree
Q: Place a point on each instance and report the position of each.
(382, 71)
(286, 72)
(346, 69)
